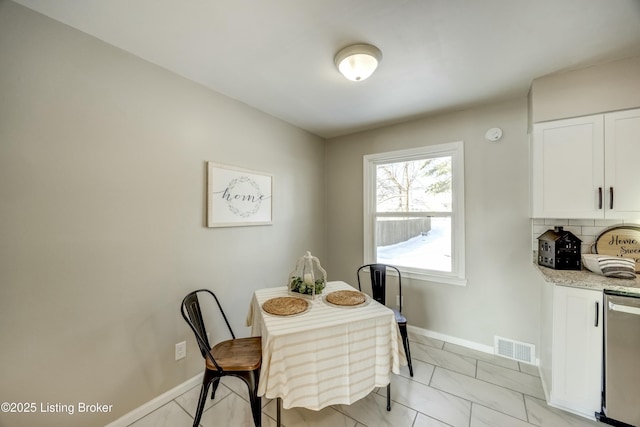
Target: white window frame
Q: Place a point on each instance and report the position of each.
(456, 151)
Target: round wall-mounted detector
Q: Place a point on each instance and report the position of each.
(493, 134)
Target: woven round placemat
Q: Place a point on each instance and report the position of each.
(285, 306)
(346, 298)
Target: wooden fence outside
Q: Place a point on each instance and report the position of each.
(394, 231)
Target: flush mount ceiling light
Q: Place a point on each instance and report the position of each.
(359, 61)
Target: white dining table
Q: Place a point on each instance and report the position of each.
(327, 355)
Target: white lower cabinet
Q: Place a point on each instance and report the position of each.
(571, 357)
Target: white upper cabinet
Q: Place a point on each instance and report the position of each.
(585, 167)
(622, 163)
(568, 168)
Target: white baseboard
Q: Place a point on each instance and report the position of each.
(558, 403)
(155, 403)
(459, 341)
(545, 389)
(453, 340)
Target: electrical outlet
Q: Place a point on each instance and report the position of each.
(181, 350)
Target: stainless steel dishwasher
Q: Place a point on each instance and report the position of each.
(621, 374)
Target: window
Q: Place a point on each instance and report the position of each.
(414, 211)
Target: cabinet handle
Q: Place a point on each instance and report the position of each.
(597, 314)
(610, 197)
(599, 197)
(624, 308)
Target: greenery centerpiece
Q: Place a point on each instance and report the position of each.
(308, 278)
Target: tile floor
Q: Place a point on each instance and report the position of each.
(452, 386)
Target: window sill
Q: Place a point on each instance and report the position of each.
(435, 278)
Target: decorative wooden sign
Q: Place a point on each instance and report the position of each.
(237, 197)
(622, 241)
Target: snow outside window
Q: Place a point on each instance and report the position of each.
(414, 211)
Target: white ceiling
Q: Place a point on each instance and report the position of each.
(438, 55)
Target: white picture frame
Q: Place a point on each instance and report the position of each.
(238, 197)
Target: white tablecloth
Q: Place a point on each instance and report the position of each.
(328, 355)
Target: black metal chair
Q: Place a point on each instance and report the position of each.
(378, 273)
(238, 357)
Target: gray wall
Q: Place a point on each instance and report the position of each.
(501, 296)
(102, 210)
(102, 206)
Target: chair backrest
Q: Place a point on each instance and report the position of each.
(192, 314)
(378, 273)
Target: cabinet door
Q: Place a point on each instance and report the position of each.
(577, 350)
(567, 176)
(622, 157)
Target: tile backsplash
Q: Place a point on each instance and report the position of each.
(586, 230)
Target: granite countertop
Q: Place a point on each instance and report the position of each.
(586, 279)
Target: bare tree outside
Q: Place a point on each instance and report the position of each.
(415, 186)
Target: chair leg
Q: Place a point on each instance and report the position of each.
(216, 382)
(278, 411)
(251, 379)
(208, 377)
(389, 396)
(405, 343)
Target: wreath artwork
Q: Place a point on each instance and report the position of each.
(235, 204)
(237, 197)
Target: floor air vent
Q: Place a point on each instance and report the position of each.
(515, 350)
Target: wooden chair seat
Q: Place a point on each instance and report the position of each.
(238, 357)
(241, 354)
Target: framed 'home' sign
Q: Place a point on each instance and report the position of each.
(237, 197)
